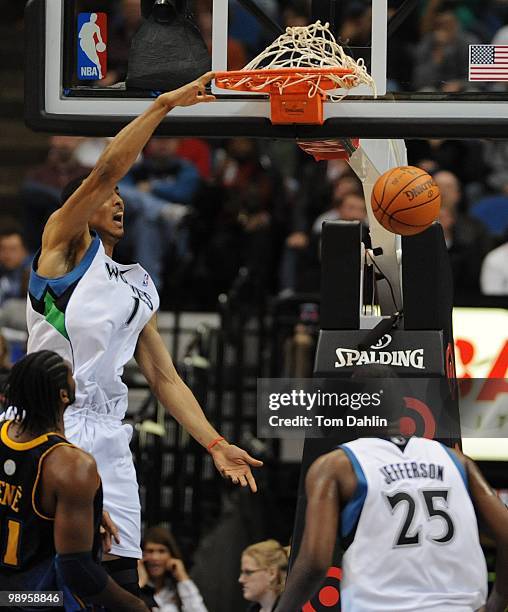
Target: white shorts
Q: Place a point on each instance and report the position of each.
(107, 440)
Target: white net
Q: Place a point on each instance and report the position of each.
(312, 46)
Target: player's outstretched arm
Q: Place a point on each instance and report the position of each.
(157, 366)
(492, 514)
(321, 523)
(74, 479)
(70, 222)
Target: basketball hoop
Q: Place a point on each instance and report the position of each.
(298, 70)
(296, 94)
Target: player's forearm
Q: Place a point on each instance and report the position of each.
(301, 585)
(498, 600)
(123, 150)
(181, 404)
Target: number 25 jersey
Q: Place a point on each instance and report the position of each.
(412, 531)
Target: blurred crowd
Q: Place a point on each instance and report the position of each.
(200, 213)
(166, 583)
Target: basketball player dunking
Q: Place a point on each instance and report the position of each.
(97, 314)
(50, 514)
(407, 510)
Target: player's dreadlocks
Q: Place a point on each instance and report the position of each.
(33, 390)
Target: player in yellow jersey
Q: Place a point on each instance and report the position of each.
(50, 495)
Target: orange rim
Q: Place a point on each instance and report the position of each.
(289, 89)
(267, 72)
(292, 78)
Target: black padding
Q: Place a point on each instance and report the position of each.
(340, 275)
(166, 56)
(427, 282)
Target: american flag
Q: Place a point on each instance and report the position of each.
(488, 62)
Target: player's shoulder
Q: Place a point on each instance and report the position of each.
(333, 463)
(67, 464)
(456, 452)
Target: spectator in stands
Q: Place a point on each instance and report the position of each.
(263, 574)
(14, 274)
(40, 192)
(245, 28)
(348, 204)
(300, 255)
(494, 272)
(442, 54)
(251, 188)
(467, 239)
(198, 152)
(356, 28)
(496, 156)
(5, 364)
(296, 14)
(163, 575)
(124, 24)
(465, 158)
(398, 69)
(236, 52)
(158, 192)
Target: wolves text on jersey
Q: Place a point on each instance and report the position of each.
(115, 273)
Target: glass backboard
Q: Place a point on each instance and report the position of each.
(465, 96)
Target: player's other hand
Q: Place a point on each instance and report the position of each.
(189, 94)
(143, 577)
(109, 532)
(235, 463)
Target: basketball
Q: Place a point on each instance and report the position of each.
(101, 47)
(405, 200)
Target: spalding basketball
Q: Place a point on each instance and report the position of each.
(406, 200)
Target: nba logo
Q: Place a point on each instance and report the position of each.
(145, 280)
(92, 46)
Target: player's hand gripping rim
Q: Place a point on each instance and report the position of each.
(190, 94)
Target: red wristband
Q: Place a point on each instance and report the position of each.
(213, 443)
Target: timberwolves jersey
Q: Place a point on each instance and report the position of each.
(27, 548)
(412, 531)
(92, 317)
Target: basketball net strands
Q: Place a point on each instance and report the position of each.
(300, 70)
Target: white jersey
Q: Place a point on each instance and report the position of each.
(413, 531)
(92, 317)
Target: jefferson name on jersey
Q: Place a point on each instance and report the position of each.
(399, 471)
